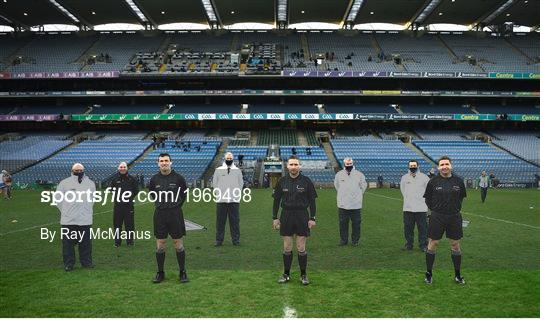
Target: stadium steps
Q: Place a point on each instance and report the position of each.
(216, 161)
(419, 152)
(164, 45)
(7, 61)
(254, 137)
(448, 48)
(142, 157)
(302, 140)
(331, 156)
(502, 149)
(235, 43)
(305, 45)
(375, 44)
(87, 52)
(519, 51)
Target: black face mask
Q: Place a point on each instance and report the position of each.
(80, 176)
(228, 162)
(413, 169)
(348, 168)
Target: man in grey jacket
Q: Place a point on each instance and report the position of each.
(350, 185)
(228, 184)
(76, 217)
(413, 186)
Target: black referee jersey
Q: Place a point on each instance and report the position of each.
(294, 194)
(445, 195)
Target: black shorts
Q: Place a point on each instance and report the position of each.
(440, 223)
(169, 222)
(294, 223)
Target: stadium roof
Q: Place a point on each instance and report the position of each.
(217, 13)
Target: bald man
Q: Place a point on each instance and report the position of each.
(76, 218)
(124, 211)
(228, 183)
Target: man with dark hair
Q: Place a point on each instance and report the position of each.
(169, 189)
(413, 186)
(444, 197)
(124, 211)
(295, 193)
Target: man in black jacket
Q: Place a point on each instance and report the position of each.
(124, 211)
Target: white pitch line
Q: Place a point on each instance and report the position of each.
(55, 223)
(472, 214)
(289, 312)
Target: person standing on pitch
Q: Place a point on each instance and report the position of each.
(444, 197)
(228, 181)
(350, 185)
(413, 186)
(76, 217)
(295, 193)
(123, 211)
(168, 215)
(483, 183)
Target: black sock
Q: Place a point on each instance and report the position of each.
(287, 262)
(181, 257)
(456, 259)
(430, 259)
(302, 262)
(160, 258)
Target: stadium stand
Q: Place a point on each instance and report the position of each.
(489, 53)
(470, 158)
(191, 161)
(523, 144)
(378, 158)
(30, 149)
(441, 135)
(51, 53)
(251, 153)
(100, 158)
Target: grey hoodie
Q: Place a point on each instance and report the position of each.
(224, 180)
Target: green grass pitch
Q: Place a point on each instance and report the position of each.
(501, 263)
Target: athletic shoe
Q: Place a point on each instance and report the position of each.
(183, 277)
(68, 268)
(429, 278)
(160, 276)
(459, 280)
(284, 279)
(406, 247)
(423, 249)
(356, 244)
(218, 243)
(304, 279)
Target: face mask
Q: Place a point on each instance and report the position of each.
(348, 168)
(228, 162)
(80, 175)
(413, 169)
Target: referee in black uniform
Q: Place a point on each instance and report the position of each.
(295, 193)
(444, 196)
(169, 188)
